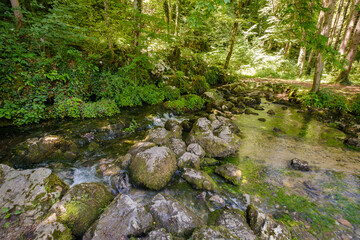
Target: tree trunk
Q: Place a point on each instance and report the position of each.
(17, 13)
(350, 28)
(336, 21)
(108, 32)
(344, 75)
(310, 62)
(137, 19)
(177, 18)
(236, 25)
(341, 25)
(302, 56)
(325, 31)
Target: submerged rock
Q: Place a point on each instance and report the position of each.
(27, 196)
(230, 172)
(80, 206)
(220, 144)
(189, 160)
(200, 180)
(264, 226)
(235, 221)
(212, 232)
(301, 165)
(36, 150)
(154, 167)
(173, 216)
(122, 219)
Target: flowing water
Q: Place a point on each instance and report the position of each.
(267, 147)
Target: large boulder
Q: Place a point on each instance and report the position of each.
(81, 205)
(212, 232)
(122, 219)
(230, 172)
(25, 198)
(36, 150)
(235, 221)
(220, 143)
(173, 216)
(154, 167)
(264, 226)
(199, 179)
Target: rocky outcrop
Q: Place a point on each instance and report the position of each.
(122, 219)
(26, 197)
(218, 143)
(36, 150)
(80, 206)
(235, 221)
(154, 167)
(212, 232)
(264, 226)
(174, 217)
(230, 172)
(200, 180)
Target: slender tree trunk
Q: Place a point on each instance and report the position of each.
(176, 32)
(287, 48)
(350, 28)
(325, 31)
(17, 13)
(310, 62)
(107, 23)
(236, 25)
(336, 21)
(344, 75)
(137, 19)
(302, 56)
(341, 25)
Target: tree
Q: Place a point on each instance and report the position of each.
(325, 31)
(350, 28)
(341, 25)
(343, 77)
(17, 13)
(232, 42)
(137, 19)
(108, 32)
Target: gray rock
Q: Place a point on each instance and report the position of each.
(235, 221)
(301, 165)
(264, 226)
(196, 149)
(200, 180)
(178, 146)
(173, 216)
(120, 183)
(189, 160)
(124, 161)
(31, 194)
(355, 142)
(154, 167)
(123, 218)
(170, 124)
(217, 201)
(222, 145)
(140, 147)
(52, 231)
(161, 136)
(212, 232)
(159, 234)
(80, 206)
(230, 172)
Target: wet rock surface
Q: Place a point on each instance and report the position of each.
(174, 217)
(230, 172)
(199, 179)
(154, 167)
(122, 219)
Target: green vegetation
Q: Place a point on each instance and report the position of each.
(188, 103)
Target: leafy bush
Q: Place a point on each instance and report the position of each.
(152, 94)
(355, 106)
(325, 99)
(199, 85)
(187, 103)
(171, 93)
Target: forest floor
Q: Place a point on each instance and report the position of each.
(346, 90)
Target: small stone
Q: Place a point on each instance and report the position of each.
(217, 201)
(271, 112)
(300, 165)
(345, 222)
(276, 129)
(262, 119)
(250, 112)
(284, 108)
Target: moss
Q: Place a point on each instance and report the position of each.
(52, 184)
(65, 235)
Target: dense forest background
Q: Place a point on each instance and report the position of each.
(90, 58)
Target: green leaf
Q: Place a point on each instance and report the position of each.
(6, 225)
(17, 212)
(5, 210)
(7, 216)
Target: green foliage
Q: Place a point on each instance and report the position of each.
(325, 99)
(199, 84)
(355, 106)
(188, 103)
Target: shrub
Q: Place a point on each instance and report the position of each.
(171, 93)
(355, 106)
(189, 103)
(199, 85)
(325, 99)
(151, 94)
(102, 108)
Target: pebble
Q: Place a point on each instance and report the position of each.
(345, 222)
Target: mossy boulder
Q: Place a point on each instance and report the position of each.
(161, 136)
(173, 216)
(220, 143)
(264, 226)
(52, 231)
(81, 206)
(154, 167)
(36, 150)
(212, 232)
(122, 219)
(235, 221)
(27, 196)
(230, 172)
(199, 179)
